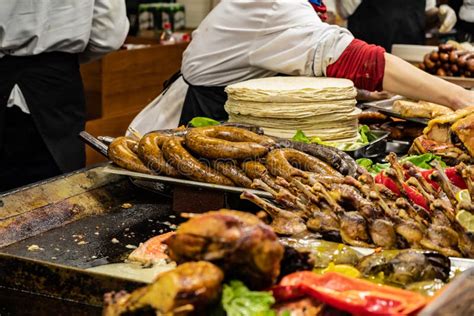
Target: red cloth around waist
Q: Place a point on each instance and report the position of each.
(362, 63)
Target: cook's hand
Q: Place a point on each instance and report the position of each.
(448, 18)
(364, 95)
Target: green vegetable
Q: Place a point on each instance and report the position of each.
(301, 137)
(238, 300)
(203, 122)
(365, 137)
(365, 162)
(421, 161)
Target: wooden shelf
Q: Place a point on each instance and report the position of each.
(122, 83)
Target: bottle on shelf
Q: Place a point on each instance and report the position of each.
(167, 37)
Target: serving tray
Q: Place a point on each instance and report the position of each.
(169, 180)
(386, 107)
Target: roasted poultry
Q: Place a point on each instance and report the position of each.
(420, 109)
(188, 289)
(450, 136)
(363, 212)
(239, 243)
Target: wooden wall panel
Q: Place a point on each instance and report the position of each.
(122, 83)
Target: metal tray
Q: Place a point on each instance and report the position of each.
(169, 180)
(386, 107)
(373, 149)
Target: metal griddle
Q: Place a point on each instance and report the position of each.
(73, 219)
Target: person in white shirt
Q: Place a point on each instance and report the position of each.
(241, 40)
(42, 106)
(465, 25)
(391, 22)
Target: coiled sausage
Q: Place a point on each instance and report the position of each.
(231, 170)
(188, 166)
(149, 151)
(227, 142)
(281, 162)
(122, 151)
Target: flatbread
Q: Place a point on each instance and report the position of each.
(328, 127)
(289, 110)
(292, 90)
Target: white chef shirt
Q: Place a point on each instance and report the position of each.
(90, 28)
(241, 40)
(466, 13)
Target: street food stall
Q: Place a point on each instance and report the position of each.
(292, 197)
(244, 219)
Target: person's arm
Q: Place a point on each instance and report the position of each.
(370, 68)
(109, 29)
(402, 78)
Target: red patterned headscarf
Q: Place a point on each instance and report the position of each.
(320, 8)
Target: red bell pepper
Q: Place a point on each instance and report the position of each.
(453, 176)
(388, 182)
(415, 196)
(352, 295)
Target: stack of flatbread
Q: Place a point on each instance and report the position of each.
(321, 107)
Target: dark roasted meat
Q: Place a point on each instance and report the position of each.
(182, 291)
(239, 243)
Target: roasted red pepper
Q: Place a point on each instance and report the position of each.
(453, 176)
(352, 295)
(388, 182)
(415, 196)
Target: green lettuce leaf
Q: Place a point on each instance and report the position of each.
(301, 137)
(203, 122)
(238, 300)
(365, 137)
(423, 161)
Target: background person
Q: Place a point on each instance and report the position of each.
(267, 38)
(391, 22)
(42, 106)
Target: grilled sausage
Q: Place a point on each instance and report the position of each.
(336, 158)
(149, 151)
(281, 162)
(227, 142)
(462, 60)
(453, 57)
(441, 72)
(445, 48)
(189, 166)
(122, 151)
(444, 57)
(231, 170)
(434, 56)
(470, 64)
(428, 62)
(254, 169)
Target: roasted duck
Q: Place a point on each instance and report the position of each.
(401, 209)
(185, 290)
(239, 243)
(450, 136)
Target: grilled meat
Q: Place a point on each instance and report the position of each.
(464, 130)
(406, 266)
(237, 242)
(182, 291)
(420, 109)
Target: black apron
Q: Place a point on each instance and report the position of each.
(52, 87)
(204, 101)
(388, 22)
